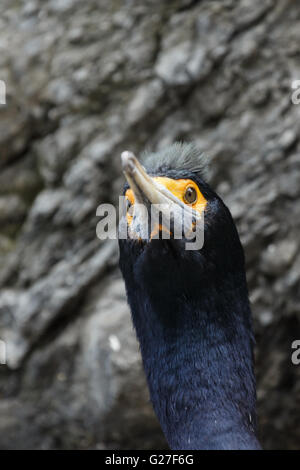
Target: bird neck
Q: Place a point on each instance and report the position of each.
(196, 343)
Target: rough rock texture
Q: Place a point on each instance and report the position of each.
(85, 80)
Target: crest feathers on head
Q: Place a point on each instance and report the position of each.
(178, 157)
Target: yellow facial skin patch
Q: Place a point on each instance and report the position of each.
(178, 188)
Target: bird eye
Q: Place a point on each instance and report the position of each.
(190, 195)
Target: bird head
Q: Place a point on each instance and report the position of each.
(167, 197)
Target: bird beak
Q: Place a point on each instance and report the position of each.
(176, 215)
(143, 186)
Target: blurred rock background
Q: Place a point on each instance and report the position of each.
(85, 80)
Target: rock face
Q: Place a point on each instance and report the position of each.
(86, 80)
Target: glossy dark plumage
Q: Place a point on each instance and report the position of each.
(191, 313)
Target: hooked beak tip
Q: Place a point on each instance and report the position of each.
(128, 162)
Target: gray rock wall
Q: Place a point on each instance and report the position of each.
(86, 80)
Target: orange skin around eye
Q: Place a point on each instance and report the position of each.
(178, 189)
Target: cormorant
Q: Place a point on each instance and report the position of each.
(190, 308)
